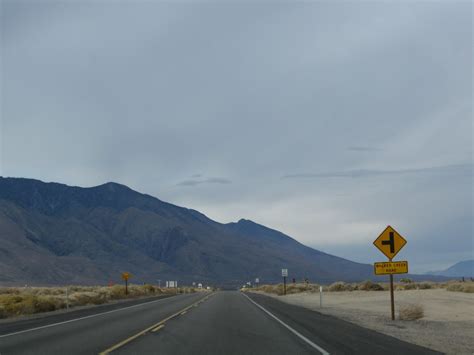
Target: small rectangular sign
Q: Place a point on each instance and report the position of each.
(391, 267)
(284, 272)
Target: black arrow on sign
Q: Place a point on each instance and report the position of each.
(390, 242)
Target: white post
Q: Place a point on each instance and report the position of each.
(320, 296)
(67, 298)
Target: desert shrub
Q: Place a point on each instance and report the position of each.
(370, 286)
(47, 304)
(147, 288)
(290, 288)
(268, 289)
(455, 287)
(411, 286)
(47, 291)
(9, 291)
(17, 301)
(85, 298)
(296, 288)
(340, 286)
(16, 304)
(406, 280)
(411, 312)
(336, 287)
(116, 292)
(467, 287)
(279, 289)
(424, 286)
(28, 304)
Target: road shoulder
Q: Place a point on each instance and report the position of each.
(334, 334)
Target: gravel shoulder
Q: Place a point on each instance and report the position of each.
(447, 326)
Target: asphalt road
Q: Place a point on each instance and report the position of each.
(219, 323)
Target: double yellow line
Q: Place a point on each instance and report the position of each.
(154, 327)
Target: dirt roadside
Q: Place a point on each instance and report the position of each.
(447, 326)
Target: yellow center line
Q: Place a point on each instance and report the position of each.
(154, 326)
(158, 328)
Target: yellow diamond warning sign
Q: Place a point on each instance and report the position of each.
(391, 267)
(390, 242)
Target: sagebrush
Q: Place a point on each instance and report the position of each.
(15, 301)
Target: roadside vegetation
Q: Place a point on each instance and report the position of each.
(411, 312)
(404, 284)
(16, 301)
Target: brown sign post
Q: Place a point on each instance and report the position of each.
(390, 242)
(125, 277)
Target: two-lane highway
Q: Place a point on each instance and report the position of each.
(92, 333)
(220, 323)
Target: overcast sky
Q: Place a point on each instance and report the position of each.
(326, 120)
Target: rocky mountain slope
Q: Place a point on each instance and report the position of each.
(52, 233)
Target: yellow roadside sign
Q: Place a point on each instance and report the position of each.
(391, 267)
(390, 242)
(125, 276)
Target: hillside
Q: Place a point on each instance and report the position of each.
(460, 269)
(52, 233)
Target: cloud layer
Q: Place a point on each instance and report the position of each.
(364, 107)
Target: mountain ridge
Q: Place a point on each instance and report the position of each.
(52, 233)
(463, 268)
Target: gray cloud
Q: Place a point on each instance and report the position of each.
(250, 91)
(196, 182)
(465, 169)
(364, 149)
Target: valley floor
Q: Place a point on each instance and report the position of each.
(447, 325)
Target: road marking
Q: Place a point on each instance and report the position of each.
(154, 326)
(301, 336)
(81, 318)
(158, 328)
(182, 313)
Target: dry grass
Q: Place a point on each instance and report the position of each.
(411, 312)
(368, 285)
(30, 300)
(371, 286)
(340, 286)
(467, 287)
(334, 287)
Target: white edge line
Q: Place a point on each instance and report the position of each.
(81, 318)
(301, 336)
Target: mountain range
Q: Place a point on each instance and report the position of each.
(51, 233)
(460, 269)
